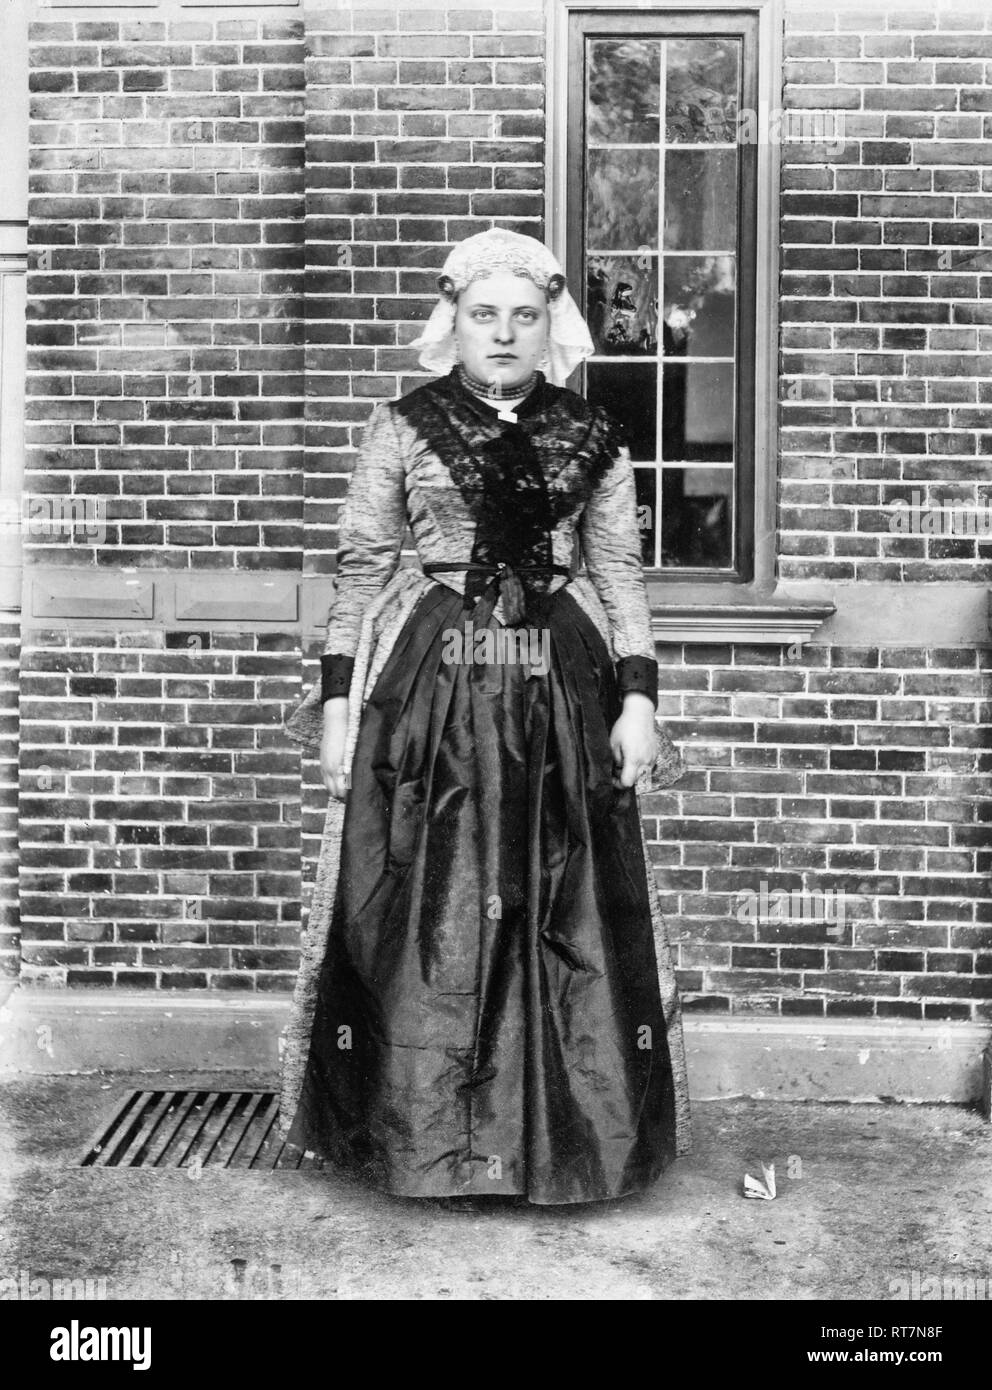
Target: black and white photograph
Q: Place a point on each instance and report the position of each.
(496, 667)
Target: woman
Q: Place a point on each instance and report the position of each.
(478, 1009)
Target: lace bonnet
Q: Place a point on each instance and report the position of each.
(488, 253)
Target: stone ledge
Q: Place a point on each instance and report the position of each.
(790, 624)
(121, 598)
(48, 1032)
(837, 1060)
(941, 614)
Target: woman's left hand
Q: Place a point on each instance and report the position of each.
(633, 739)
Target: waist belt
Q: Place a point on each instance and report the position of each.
(504, 585)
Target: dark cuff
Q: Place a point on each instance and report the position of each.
(335, 675)
(638, 673)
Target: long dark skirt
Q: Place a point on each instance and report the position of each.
(488, 1017)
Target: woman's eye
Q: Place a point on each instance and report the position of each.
(481, 314)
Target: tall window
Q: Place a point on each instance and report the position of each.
(661, 235)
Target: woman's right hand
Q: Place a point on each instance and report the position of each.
(332, 745)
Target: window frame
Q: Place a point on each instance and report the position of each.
(657, 25)
(705, 607)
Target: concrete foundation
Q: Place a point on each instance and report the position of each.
(74, 1031)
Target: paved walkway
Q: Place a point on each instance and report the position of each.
(877, 1194)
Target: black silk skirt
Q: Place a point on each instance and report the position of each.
(488, 1017)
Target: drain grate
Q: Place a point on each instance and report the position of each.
(195, 1129)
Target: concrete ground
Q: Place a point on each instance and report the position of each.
(876, 1194)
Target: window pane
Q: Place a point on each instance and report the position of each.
(624, 91)
(629, 391)
(700, 300)
(701, 84)
(622, 213)
(654, 214)
(622, 303)
(697, 518)
(700, 200)
(697, 416)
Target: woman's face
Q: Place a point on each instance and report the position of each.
(501, 327)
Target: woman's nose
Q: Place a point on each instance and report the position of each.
(504, 330)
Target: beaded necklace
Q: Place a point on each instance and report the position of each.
(493, 395)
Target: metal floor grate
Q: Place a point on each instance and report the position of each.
(194, 1129)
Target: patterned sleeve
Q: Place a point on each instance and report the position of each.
(611, 549)
(371, 527)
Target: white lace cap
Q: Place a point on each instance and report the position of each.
(488, 253)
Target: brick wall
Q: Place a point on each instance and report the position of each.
(886, 298)
(165, 371)
(847, 776)
(9, 933)
(159, 799)
(159, 810)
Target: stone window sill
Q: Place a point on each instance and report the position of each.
(739, 613)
